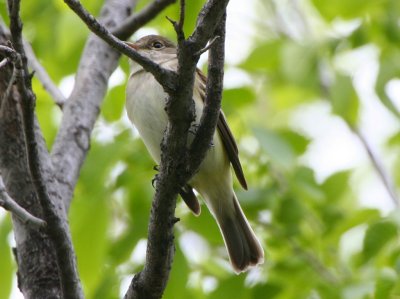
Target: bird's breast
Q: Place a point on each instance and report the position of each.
(145, 102)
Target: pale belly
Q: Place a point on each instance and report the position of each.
(146, 111)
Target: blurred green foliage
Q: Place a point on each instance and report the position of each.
(319, 242)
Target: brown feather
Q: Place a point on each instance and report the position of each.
(227, 138)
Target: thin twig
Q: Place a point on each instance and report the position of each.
(135, 21)
(373, 157)
(10, 205)
(57, 227)
(178, 26)
(3, 62)
(10, 53)
(43, 76)
(206, 48)
(378, 166)
(165, 77)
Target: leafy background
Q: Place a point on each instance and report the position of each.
(306, 82)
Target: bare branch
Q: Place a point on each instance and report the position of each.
(151, 282)
(43, 76)
(135, 21)
(10, 205)
(206, 48)
(175, 159)
(212, 107)
(165, 77)
(57, 227)
(10, 53)
(3, 62)
(378, 166)
(178, 26)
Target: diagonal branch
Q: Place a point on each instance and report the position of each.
(83, 106)
(135, 21)
(43, 76)
(10, 205)
(165, 77)
(3, 62)
(378, 166)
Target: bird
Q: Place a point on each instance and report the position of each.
(145, 106)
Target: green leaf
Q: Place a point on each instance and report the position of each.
(6, 265)
(235, 99)
(344, 99)
(178, 278)
(299, 64)
(231, 288)
(265, 57)
(298, 142)
(276, 147)
(269, 290)
(336, 185)
(376, 237)
(389, 69)
(114, 102)
(385, 283)
(347, 9)
(90, 219)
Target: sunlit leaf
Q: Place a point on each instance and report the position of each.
(6, 265)
(344, 99)
(385, 283)
(377, 236)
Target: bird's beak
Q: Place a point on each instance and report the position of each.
(132, 45)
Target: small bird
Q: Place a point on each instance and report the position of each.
(145, 102)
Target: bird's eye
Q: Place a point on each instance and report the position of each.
(157, 45)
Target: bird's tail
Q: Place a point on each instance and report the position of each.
(243, 246)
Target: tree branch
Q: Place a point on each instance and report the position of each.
(151, 282)
(83, 106)
(57, 228)
(3, 62)
(43, 76)
(378, 166)
(135, 21)
(212, 103)
(165, 77)
(10, 205)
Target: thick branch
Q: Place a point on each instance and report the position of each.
(207, 21)
(57, 228)
(135, 21)
(98, 61)
(150, 283)
(10, 205)
(212, 105)
(38, 275)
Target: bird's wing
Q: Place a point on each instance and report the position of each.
(227, 137)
